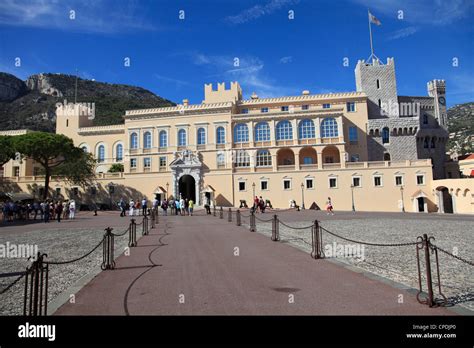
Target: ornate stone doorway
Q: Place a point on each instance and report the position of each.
(186, 170)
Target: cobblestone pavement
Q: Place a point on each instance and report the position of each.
(62, 242)
(454, 233)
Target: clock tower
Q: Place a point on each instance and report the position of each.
(437, 90)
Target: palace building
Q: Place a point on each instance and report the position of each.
(368, 149)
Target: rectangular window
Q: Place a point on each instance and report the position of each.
(377, 181)
(304, 107)
(308, 160)
(356, 181)
(36, 171)
(16, 171)
(326, 106)
(147, 162)
(93, 190)
(133, 162)
(351, 107)
(264, 109)
(242, 186)
(353, 136)
(355, 157)
(332, 182)
(75, 191)
(284, 108)
(399, 180)
(309, 183)
(286, 184)
(264, 185)
(420, 179)
(58, 191)
(245, 111)
(162, 162)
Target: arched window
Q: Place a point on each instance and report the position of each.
(134, 141)
(220, 135)
(306, 129)
(241, 133)
(85, 148)
(101, 154)
(221, 159)
(284, 130)
(182, 137)
(242, 159)
(201, 136)
(329, 128)
(163, 138)
(385, 135)
(433, 140)
(262, 132)
(426, 143)
(264, 158)
(119, 153)
(147, 140)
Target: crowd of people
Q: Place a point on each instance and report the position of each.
(43, 211)
(181, 206)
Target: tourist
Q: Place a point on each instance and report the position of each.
(121, 205)
(208, 206)
(186, 207)
(164, 206)
(154, 204)
(177, 207)
(182, 206)
(72, 209)
(261, 204)
(5, 210)
(172, 205)
(46, 211)
(137, 207)
(144, 206)
(132, 207)
(65, 210)
(191, 207)
(59, 211)
(329, 207)
(36, 207)
(255, 204)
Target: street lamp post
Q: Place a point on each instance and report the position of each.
(167, 185)
(302, 196)
(352, 193)
(253, 188)
(403, 204)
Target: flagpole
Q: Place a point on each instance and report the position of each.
(370, 31)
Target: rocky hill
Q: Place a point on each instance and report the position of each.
(31, 104)
(461, 129)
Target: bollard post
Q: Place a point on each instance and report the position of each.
(35, 301)
(152, 216)
(229, 216)
(214, 210)
(221, 213)
(275, 228)
(132, 234)
(253, 227)
(429, 283)
(316, 241)
(238, 221)
(145, 226)
(108, 250)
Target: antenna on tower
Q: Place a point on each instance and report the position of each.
(75, 90)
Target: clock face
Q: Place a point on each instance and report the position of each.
(442, 100)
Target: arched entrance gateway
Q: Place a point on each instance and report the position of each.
(445, 200)
(187, 179)
(187, 187)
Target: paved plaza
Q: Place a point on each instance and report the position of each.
(205, 265)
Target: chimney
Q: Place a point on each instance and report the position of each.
(185, 102)
(305, 92)
(254, 96)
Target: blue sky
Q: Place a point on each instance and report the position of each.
(277, 56)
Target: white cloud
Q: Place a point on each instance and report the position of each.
(98, 16)
(248, 71)
(258, 11)
(402, 33)
(285, 60)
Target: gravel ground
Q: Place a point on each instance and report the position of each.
(60, 245)
(396, 263)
